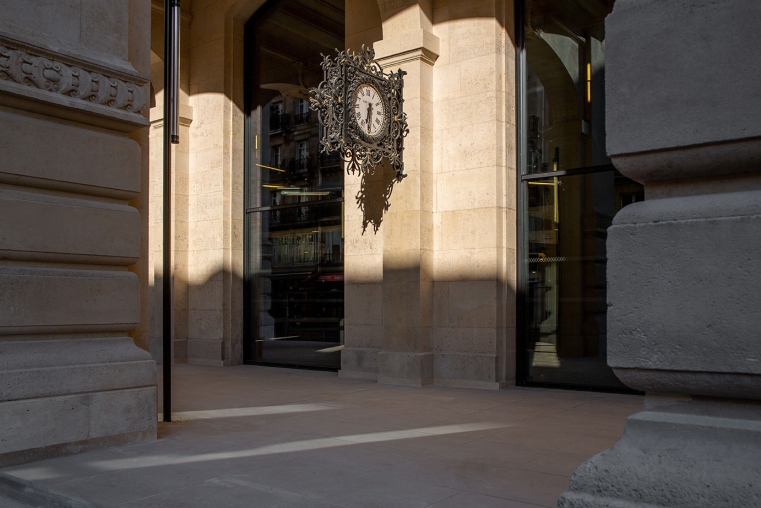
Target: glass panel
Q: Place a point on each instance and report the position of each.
(295, 194)
(298, 284)
(565, 84)
(287, 42)
(566, 312)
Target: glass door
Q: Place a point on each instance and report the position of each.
(294, 195)
(569, 193)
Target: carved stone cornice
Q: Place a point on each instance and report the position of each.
(50, 73)
(422, 54)
(417, 45)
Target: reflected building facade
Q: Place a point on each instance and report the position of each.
(294, 193)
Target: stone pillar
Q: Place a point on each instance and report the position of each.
(364, 210)
(407, 356)
(73, 139)
(215, 181)
(684, 268)
(474, 195)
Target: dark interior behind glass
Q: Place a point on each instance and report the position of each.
(569, 194)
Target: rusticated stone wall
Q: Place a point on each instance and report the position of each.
(73, 226)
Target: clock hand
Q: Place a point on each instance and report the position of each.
(369, 115)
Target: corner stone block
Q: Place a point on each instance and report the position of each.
(684, 270)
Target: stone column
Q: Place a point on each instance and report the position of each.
(684, 270)
(474, 195)
(215, 181)
(73, 156)
(407, 356)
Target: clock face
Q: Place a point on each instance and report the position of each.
(369, 109)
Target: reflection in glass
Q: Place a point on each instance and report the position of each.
(298, 286)
(565, 84)
(294, 193)
(567, 215)
(566, 311)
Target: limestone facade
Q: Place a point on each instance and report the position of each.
(430, 293)
(430, 275)
(208, 183)
(74, 86)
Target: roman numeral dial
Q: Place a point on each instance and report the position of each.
(369, 110)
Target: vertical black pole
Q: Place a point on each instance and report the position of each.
(171, 135)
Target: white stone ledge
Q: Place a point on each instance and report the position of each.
(408, 47)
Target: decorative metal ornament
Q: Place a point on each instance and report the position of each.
(360, 111)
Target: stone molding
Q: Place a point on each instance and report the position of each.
(185, 116)
(679, 452)
(408, 47)
(423, 54)
(52, 73)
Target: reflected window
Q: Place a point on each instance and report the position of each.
(275, 159)
(302, 112)
(303, 153)
(277, 118)
(569, 195)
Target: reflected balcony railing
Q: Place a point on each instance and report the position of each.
(301, 118)
(301, 166)
(332, 257)
(306, 213)
(277, 171)
(330, 160)
(279, 122)
(288, 255)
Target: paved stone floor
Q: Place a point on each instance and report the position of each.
(264, 437)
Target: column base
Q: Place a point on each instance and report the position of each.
(75, 424)
(404, 368)
(676, 453)
(73, 394)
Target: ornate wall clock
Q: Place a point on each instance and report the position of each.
(360, 111)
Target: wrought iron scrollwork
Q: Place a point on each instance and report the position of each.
(340, 132)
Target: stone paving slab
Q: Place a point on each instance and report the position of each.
(253, 436)
(19, 493)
